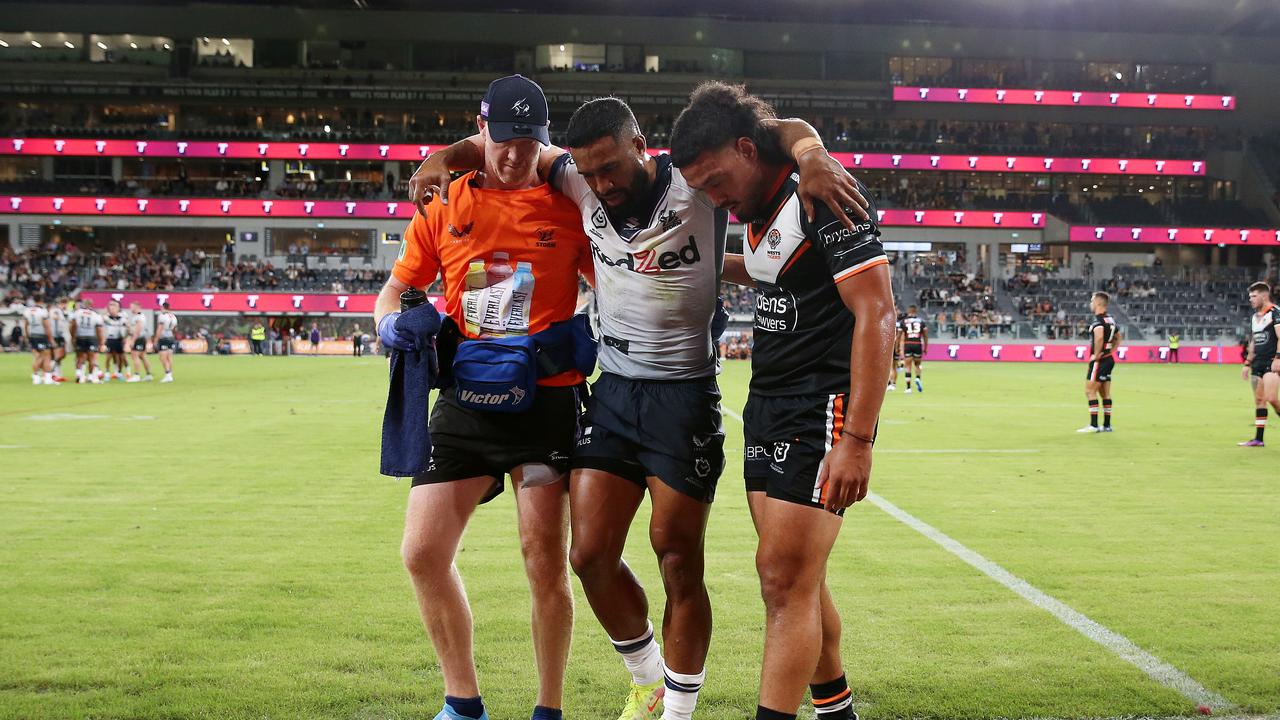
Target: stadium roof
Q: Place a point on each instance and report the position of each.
(1199, 17)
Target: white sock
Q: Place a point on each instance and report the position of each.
(642, 656)
(35, 377)
(682, 694)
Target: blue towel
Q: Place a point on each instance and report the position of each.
(406, 442)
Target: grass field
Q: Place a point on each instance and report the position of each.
(223, 547)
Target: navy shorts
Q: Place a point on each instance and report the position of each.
(913, 350)
(40, 343)
(165, 344)
(115, 345)
(668, 429)
(787, 439)
(86, 345)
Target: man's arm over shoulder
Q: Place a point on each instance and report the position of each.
(847, 252)
(562, 174)
(419, 261)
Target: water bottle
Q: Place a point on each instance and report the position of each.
(412, 298)
(474, 297)
(522, 290)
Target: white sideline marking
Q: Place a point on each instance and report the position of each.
(58, 417)
(14, 447)
(959, 451)
(1155, 668)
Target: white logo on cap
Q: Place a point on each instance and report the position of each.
(521, 108)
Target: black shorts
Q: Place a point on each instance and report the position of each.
(668, 429)
(1100, 370)
(40, 343)
(468, 443)
(115, 345)
(86, 345)
(165, 344)
(787, 439)
(913, 350)
(1260, 366)
(140, 344)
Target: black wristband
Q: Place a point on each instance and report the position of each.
(855, 436)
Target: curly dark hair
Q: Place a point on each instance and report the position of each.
(720, 113)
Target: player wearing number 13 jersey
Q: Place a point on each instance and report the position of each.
(915, 343)
(824, 328)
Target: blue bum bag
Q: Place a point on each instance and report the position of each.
(501, 375)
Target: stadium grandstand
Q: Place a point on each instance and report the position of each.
(241, 170)
(94, 113)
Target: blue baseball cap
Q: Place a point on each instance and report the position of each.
(515, 107)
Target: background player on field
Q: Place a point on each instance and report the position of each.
(653, 421)
(59, 318)
(116, 327)
(897, 353)
(90, 339)
(139, 334)
(1104, 336)
(166, 341)
(38, 330)
(817, 382)
(915, 343)
(1261, 365)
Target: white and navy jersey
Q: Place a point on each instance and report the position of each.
(1109, 332)
(58, 319)
(912, 329)
(1263, 325)
(165, 323)
(657, 275)
(116, 325)
(803, 331)
(87, 322)
(138, 325)
(35, 317)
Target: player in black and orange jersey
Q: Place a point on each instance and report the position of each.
(510, 250)
(823, 332)
(915, 343)
(897, 353)
(1261, 364)
(1104, 336)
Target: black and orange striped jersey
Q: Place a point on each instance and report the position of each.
(1109, 334)
(912, 329)
(1263, 326)
(803, 331)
